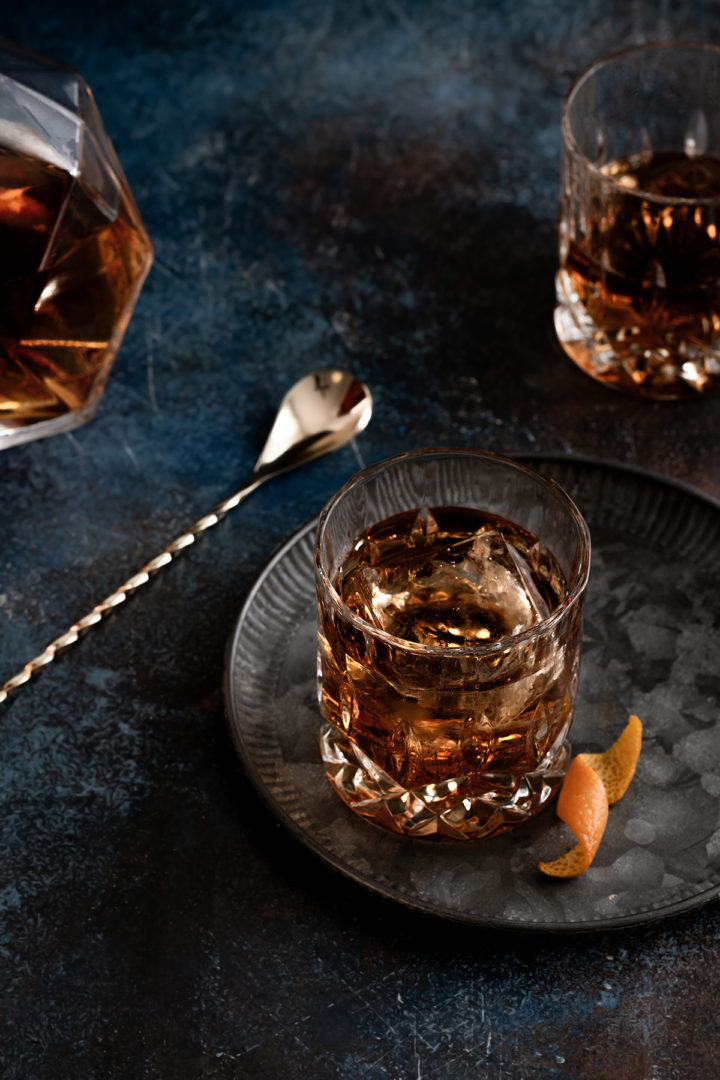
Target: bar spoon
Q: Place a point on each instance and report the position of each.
(319, 414)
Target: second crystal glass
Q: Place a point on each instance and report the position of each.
(638, 289)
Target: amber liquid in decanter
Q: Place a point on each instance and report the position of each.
(70, 270)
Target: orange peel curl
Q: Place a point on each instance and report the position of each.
(592, 783)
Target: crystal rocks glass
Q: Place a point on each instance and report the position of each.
(638, 289)
(73, 250)
(449, 641)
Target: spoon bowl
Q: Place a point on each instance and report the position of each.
(317, 415)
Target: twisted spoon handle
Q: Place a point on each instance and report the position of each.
(123, 591)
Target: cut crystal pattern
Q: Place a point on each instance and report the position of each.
(434, 811)
(73, 250)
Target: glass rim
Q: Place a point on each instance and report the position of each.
(570, 141)
(580, 570)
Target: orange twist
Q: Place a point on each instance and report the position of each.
(591, 784)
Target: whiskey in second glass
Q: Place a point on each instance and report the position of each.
(638, 288)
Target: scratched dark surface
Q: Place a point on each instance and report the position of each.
(370, 185)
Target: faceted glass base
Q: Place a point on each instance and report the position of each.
(663, 373)
(438, 811)
(12, 436)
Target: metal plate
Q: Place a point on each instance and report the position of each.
(651, 646)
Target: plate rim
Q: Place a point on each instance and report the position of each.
(600, 924)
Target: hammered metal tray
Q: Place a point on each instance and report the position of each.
(651, 646)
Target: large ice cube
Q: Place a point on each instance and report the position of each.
(506, 580)
(469, 592)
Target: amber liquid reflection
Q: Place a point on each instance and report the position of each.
(639, 286)
(451, 578)
(70, 269)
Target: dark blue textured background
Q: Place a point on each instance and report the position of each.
(364, 184)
